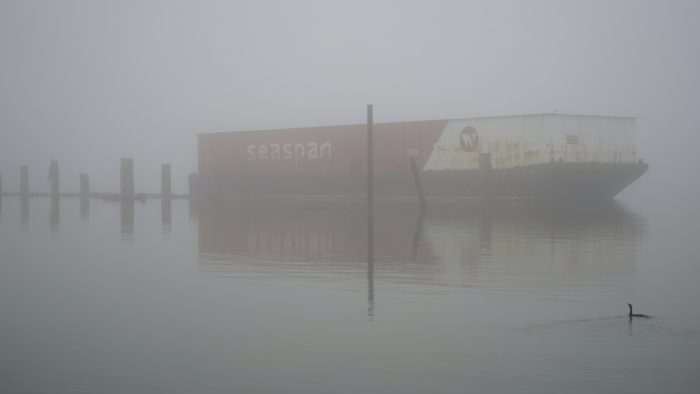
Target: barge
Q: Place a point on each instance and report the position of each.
(553, 156)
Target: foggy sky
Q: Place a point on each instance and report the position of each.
(88, 82)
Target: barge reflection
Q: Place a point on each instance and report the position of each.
(498, 247)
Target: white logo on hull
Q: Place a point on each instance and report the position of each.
(295, 151)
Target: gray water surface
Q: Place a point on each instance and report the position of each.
(241, 298)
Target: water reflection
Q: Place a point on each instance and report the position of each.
(24, 209)
(54, 214)
(127, 219)
(370, 262)
(84, 207)
(496, 246)
(166, 215)
(447, 288)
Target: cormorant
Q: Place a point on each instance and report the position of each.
(631, 315)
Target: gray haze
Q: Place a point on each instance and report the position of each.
(88, 82)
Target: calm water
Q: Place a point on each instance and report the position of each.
(234, 298)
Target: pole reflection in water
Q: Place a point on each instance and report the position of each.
(127, 219)
(418, 232)
(485, 233)
(370, 262)
(166, 215)
(54, 214)
(496, 246)
(24, 209)
(192, 204)
(84, 207)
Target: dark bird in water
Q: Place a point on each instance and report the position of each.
(631, 315)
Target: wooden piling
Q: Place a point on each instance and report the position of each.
(191, 186)
(127, 179)
(24, 181)
(485, 182)
(54, 179)
(416, 179)
(165, 181)
(84, 186)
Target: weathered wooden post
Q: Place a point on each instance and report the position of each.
(127, 179)
(191, 184)
(84, 186)
(24, 181)
(485, 167)
(54, 179)
(84, 195)
(24, 193)
(165, 181)
(416, 179)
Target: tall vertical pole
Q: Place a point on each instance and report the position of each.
(370, 158)
(416, 179)
(370, 213)
(24, 181)
(165, 181)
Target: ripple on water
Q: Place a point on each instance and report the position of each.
(642, 354)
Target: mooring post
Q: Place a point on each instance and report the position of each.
(416, 179)
(485, 167)
(127, 179)
(84, 195)
(165, 181)
(84, 186)
(24, 181)
(54, 179)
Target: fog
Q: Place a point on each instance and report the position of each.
(88, 82)
(123, 293)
